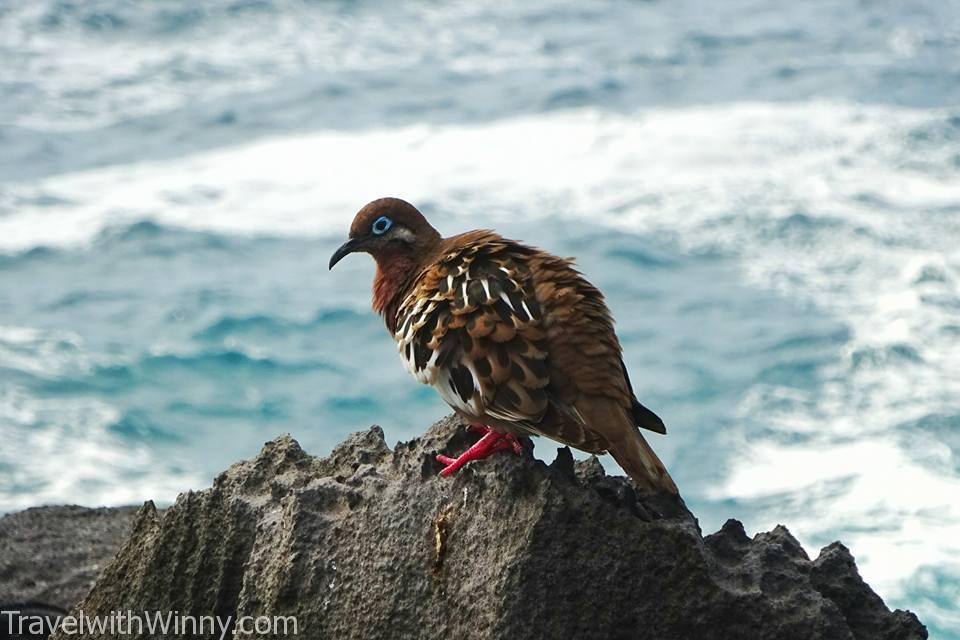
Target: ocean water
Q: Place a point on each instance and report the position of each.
(769, 194)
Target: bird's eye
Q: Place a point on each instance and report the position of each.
(381, 225)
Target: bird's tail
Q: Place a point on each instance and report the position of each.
(641, 463)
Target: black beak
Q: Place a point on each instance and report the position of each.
(348, 247)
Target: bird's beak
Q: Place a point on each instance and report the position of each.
(348, 247)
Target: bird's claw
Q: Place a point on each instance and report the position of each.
(491, 442)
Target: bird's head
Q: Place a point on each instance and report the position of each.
(400, 240)
(392, 231)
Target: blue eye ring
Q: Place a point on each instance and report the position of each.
(381, 225)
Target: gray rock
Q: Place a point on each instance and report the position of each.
(53, 554)
(49, 559)
(369, 543)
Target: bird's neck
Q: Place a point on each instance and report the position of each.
(391, 284)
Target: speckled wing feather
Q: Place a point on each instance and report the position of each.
(516, 338)
(473, 327)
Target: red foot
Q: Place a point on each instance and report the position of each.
(490, 443)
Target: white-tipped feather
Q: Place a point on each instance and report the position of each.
(526, 310)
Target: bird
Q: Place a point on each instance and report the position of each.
(514, 339)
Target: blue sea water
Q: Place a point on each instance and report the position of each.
(769, 194)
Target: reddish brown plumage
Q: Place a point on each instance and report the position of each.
(390, 283)
(397, 264)
(511, 336)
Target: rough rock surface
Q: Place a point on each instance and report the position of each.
(370, 543)
(53, 554)
(50, 557)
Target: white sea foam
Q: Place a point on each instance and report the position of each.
(73, 458)
(673, 169)
(42, 353)
(60, 450)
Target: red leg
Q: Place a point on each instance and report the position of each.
(490, 443)
(507, 440)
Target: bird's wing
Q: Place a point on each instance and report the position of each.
(586, 359)
(518, 338)
(472, 327)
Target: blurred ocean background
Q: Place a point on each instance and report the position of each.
(768, 192)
